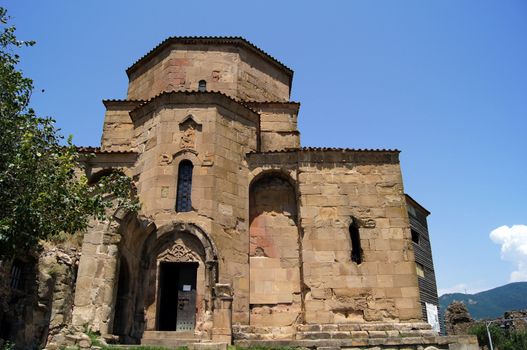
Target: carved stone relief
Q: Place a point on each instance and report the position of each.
(178, 253)
(189, 127)
(165, 159)
(188, 139)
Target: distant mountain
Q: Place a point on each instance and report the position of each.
(491, 303)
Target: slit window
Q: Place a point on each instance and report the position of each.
(184, 187)
(356, 250)
(415, 236)
(202, 86)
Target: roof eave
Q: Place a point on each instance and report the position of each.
(237, 41)
(186, 94)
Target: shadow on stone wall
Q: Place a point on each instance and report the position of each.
(36, 294)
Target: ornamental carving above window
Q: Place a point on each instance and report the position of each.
(189, 128)
(178, 253)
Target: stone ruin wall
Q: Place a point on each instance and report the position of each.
(97, 277)
(234, 71)
(458, 320)
(41, 305)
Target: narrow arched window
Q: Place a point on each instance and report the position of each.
(356, 250)
(184, 186)
(202, 85)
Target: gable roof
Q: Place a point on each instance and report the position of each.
(216, 40)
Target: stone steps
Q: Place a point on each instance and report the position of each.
(174, 340)
(410, 343)
(364, 331)
(364, 334)
(335, 331)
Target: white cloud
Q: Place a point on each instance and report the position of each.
(513, 242)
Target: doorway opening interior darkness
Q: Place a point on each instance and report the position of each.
(177, 295)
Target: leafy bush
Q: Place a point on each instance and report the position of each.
(502, 339)
(43, 195)
(8, 345)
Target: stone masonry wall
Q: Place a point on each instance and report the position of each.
(278, 124)
(383, 287)
(231, 70)
(230, 227)
(260, 81)
(336, 188)
(97, 277)
(40, 305)
(183, 69)
(274, 264)
(216, 146)
(118, 127)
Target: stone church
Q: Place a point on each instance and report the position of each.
(245, 236)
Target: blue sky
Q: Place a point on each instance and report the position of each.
(443, 81)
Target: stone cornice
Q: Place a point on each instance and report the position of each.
(313, 155)
(95, 155)
(121, 104)
(274, 105)
(195, 98)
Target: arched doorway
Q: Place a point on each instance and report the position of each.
(180, 287)
(181, 270)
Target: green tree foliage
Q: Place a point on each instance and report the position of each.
(42, 191)
(502, 339)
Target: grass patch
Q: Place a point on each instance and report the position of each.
(261, 347)
(94, 338)
(8, 345)
(141, 347)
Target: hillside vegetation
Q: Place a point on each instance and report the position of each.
(491, 303)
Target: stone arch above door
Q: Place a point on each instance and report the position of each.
(183, 243)
(178, 253)
(210, 250)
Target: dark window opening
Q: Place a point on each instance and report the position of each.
(184, 187)
(202, 85)
(356, 250)
(121, 303)
(16, 275)
(415, 236)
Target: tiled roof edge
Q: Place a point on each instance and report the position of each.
(108, 103)
(294, 103)
(329, 149)
(193, 92)
(92, 149)
(237, 40)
